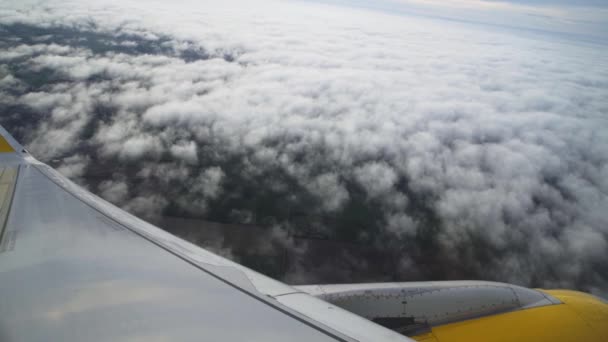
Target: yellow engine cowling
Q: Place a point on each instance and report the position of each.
(580, 317)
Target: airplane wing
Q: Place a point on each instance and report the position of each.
(75, 268)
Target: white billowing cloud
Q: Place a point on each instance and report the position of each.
(137, 146)
(44, 101)
(114, 191)
(21, 51)
(376, 178)
(493, 143)
(402, 225)
(66, 109)
(209, 182)
(8, 81)
(74, 166)
(185, 151)
(330, 191)
(148, 206)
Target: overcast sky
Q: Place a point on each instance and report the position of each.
(598, 3)
(578, 20)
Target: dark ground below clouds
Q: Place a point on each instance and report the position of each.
(325, 261)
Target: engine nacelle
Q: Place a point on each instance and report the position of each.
(414, 307)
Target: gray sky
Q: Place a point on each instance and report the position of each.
(599, 3)
(585, 20)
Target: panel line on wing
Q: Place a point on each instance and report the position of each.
(8, 181)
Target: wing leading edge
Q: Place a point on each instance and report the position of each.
(74, 267)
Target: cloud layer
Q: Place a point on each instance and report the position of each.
(451, 151)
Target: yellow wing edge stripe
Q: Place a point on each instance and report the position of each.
(5, 147)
